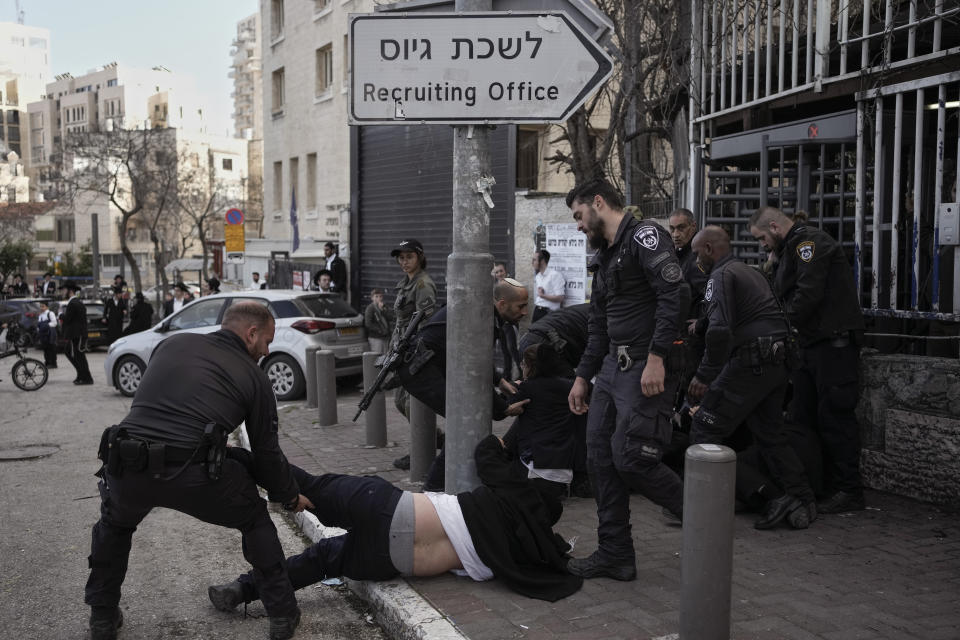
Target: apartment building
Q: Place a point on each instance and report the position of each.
(247, 75)
(24, 74)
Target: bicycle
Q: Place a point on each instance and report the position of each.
(28, 374)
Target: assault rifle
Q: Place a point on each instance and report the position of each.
(390, 362)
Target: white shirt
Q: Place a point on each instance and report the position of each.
(451, 517)
(330, 260)
(50, 317)
(177, 304)
(553, 285)
(255, 284)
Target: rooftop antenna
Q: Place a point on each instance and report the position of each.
(19, 12)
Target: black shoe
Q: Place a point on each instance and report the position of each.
(78, 382)
(105, 626)
(226, 597)
(776, 510)
(842, 502)
(671, 516)
(283, 627)
(594, 567)
(803, 518)
(402, 463)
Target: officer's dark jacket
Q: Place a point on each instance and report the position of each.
(694, 276)
(511, 527)
(74, 320)
(636, 295)
(815, 283)
(196, 379)
(568, 324)
(740, 306)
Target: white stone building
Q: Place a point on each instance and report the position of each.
(24, 74)
(247, 75)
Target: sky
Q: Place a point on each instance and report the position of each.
(189, 37)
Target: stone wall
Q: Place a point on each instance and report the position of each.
(910, 424)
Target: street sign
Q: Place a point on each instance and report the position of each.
(233, 237)
(234, 216)
(235, 258)
(471, 68)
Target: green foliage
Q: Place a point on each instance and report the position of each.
(78, 265)
(13, 255)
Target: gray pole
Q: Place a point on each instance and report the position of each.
(95, 247)
(707, 555)
(423, 439)
(469, 300)
(310, 375)
(326, 388)
(376, 413)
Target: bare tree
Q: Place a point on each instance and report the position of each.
(202, 198)
(128, 168)
(633, 114)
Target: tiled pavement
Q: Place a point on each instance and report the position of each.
(891, 572)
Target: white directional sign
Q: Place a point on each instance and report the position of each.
(473, 68)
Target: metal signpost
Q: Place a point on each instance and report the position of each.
(233, 236)
(475, 68)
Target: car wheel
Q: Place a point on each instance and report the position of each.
(286, 377)
(127, 374)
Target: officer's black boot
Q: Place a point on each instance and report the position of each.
(104, 622)
(595, 566)
(283, 627)
(776, 510)
(226, 597)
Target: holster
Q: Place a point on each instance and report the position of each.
(133, 454)
(216, 439)
(108, 451)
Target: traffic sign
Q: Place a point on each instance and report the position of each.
(234, 216)
(471, 68)
(233, 238)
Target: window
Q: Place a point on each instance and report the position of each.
(528, 158)
(112, 82)
(65, 230)
(202, 313)
(277, 186)
(324, 70)
(39, 43)
(276, 19)
(227, 164)
(295, 175)
(277, 96)
(311, 181)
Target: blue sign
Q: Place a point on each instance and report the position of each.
(234, 216)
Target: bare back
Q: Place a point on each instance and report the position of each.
(433, 553)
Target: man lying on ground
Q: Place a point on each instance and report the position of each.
(502, 529)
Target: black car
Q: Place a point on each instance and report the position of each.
(27, 308)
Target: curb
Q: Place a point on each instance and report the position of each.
(402, 612)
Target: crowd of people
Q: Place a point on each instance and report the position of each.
(681, 343)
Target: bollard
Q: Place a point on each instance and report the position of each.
(376, 413)
(310, 374)
(423, 439)
(707, 557)
(326, 388)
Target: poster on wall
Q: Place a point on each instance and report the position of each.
(568, 256)
(297, 280)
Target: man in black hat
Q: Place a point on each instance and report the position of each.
(213, 284)
(141, 315)
(180, 297)
(48, 288)
(75, 331)
(18, 289)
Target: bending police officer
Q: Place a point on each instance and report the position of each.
(635, 309)
(165, 453)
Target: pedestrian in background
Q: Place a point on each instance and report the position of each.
(141, 315)
(323, 281)
(47, 332)
(337, 268)
(378, 319)
(113, 314)
(549, 286)
(75, 331)
(499, 271)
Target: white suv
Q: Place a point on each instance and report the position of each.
(304, 319)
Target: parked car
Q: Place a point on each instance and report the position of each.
(27, 310)
(304, 319)
(96, 330)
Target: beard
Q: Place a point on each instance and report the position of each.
(595, 231)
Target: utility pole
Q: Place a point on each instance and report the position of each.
(469, 299)
(95, 248)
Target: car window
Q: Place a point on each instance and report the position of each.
(202, 313)
(287, 309)
(327, 306)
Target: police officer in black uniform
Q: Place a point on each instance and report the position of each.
(743, 375)
(683, 226)
(566, 331)
(634, 318)
(168, 452)
(814, 281)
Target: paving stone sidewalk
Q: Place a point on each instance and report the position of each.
(890, 572)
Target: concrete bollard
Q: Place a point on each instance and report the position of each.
(707, 558)
(326, 388)
(310, 374)
(423, 439)
(376, 413)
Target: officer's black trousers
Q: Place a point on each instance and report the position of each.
(363, 506)
(78, 359)
(825, 393)
(755, 396)
(232, 501)
(626, 436)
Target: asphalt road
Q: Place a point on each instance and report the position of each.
(49, 504)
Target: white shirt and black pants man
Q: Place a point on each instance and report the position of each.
(549, 286)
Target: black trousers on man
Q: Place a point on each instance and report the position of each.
(826, 388)
(755, 396)
(232, 501)
(79, 360)
(627, 433)
(364, 506)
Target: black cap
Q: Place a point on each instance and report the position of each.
(407, 245)
(138, 296)
(182, 287)
(213, 283)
